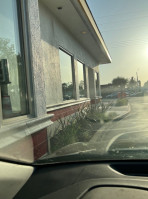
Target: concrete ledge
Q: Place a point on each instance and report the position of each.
(67, 104)
(14, 132)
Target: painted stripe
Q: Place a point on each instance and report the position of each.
(117, 136)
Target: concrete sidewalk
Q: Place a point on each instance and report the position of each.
(121, 111)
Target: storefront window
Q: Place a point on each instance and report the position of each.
(12, 66)
(66, 75)
(81, 80)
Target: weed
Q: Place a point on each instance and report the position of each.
(81, 126)
(121, 102)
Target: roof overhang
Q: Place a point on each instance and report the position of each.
(77, 18)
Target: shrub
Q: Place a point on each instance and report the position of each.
(81, 126)
(122, 102)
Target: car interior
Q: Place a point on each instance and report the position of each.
(88, 180)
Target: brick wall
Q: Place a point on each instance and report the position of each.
(40, 143)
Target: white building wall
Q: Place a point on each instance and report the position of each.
(87, 82)
(92, 83)
(53, 36)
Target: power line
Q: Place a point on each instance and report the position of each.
(122, 13)
(113, 22)
(130, 41)
(124, 28)
(124, 45)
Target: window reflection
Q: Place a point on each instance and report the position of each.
(13, 92)
(81, 80)
(66, 75)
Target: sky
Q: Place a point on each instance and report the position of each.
(124, 28)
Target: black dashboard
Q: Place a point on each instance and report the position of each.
(93, 180)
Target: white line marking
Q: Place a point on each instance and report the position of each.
(117, 136)
(138, 119)
(118, 129)
(138, 122)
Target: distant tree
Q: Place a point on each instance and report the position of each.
(132, 83)
(81, 87)
(67, 89)
(146, 84)
(70, 86)
(120, 82)
(6, 49)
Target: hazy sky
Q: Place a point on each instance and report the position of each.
(124, 27)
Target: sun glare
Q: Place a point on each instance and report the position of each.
(147, 51)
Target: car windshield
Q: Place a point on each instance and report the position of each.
(74, 80)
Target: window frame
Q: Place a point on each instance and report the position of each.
(27, 57)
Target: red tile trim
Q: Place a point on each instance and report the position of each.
(40, 143)
(63, 112)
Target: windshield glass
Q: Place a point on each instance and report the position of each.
(84, 94)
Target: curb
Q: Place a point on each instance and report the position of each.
(117, 118)
(123, 115)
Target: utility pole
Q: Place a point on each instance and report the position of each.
(137, 76)
(138, 82)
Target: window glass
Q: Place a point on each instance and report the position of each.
(12, 69)
(66, 75)
(81, 80)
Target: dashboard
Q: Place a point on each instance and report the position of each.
(87, 180)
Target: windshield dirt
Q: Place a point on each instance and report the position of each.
(84, 94)
(117, 127)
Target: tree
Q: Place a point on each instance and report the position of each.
(81, 87)
(6, 49)
(67, 90)
(146, 84)
(132, 83)
(120, 82)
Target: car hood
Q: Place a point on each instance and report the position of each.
(121, 147)
(130, 145)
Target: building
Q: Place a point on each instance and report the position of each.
(49, 66)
